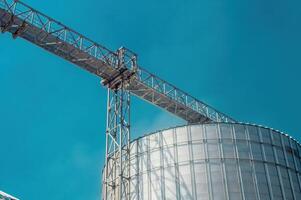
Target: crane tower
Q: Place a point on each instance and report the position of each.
(120, 74)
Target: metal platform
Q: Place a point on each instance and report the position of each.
(23, 21)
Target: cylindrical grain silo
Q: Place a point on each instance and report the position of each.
(217, 161)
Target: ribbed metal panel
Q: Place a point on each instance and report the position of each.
(216, 162)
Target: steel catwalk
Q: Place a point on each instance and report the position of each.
(218, 161)
(22, 21)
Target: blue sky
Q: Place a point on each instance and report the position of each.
(242, 57)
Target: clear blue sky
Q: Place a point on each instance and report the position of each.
(242, 57)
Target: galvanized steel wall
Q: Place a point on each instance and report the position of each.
(216, 162)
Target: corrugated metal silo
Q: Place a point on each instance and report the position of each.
(215, 162)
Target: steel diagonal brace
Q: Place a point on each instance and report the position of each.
(8, 25)
(20, 30)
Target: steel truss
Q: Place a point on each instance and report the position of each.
(117, 171)
(119, 72)
(23, 21)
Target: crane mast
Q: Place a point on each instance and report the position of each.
(119, 72)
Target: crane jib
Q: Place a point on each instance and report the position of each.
(39, 29)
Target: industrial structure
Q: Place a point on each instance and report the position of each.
(213, 157)
(215, 161)
(4, 196)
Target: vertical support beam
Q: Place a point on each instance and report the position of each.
(117, 173)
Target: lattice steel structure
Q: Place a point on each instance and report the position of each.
(117, 176)
(4, 196)
(119, 72)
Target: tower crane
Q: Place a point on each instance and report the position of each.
(119, 72)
